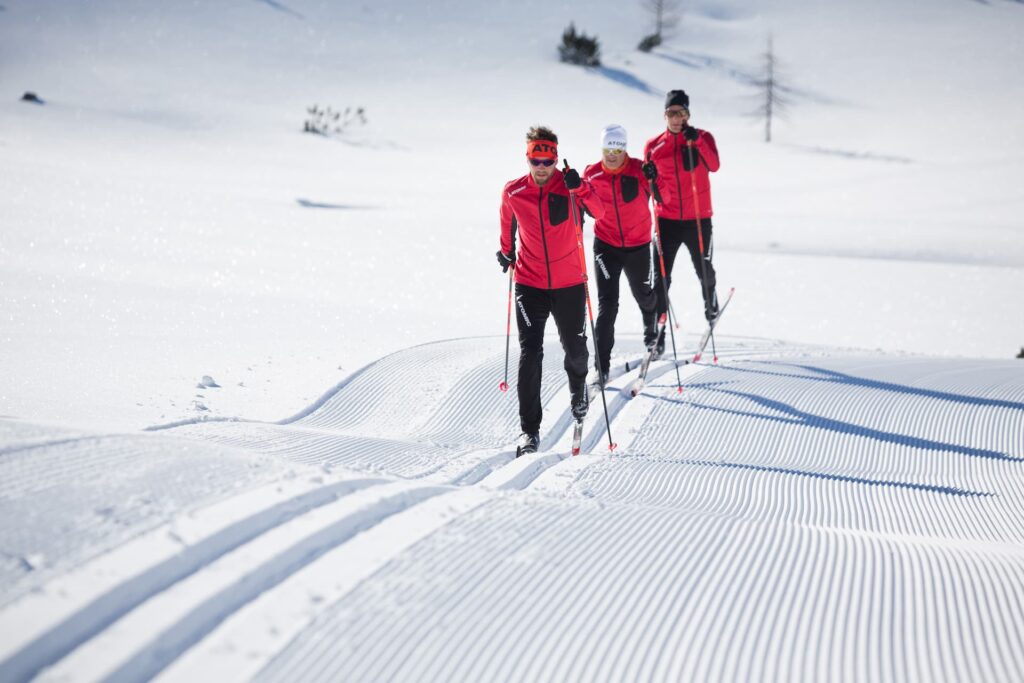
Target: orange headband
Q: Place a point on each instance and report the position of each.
(541, 149)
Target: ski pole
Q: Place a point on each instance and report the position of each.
(508, 329)
(578, 223)
(664, 287)
(700, 244)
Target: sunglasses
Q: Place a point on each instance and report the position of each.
(676, 113)
(613, 151)
(542, 162)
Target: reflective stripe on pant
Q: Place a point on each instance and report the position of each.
(533, 306)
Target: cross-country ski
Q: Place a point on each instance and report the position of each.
(577, 436)
(702, 344)
(645, 365)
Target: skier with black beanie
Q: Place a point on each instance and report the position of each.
(684, 156)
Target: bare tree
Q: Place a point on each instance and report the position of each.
(666, 14)
(772, 92)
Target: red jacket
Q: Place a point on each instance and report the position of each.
(536, 223)
(625, 195)
(670, 154)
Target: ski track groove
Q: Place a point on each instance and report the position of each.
(784, 518)
(123, 600)
(229, 524)
(399, 458)
(110, 495)
(203, 618)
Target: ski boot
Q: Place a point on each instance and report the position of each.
(659, 346)
(580, 404)
(711, 311)
(528, 443)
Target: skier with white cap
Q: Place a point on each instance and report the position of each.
(622, 240)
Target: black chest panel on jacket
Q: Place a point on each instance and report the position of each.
(558, 208)
(630, 188)
(687, 155)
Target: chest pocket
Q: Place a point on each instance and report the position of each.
(687, 166)
(630, 188)
(558, 208)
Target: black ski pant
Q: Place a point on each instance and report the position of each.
(673, 235)
(609, 263)
(533, 306)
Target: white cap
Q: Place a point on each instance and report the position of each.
(613, 137)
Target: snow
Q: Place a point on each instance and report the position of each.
(310, 332)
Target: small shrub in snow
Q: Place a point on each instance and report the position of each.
(329, 122)
(649, 43)
(577, 48)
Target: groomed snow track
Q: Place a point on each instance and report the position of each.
(795, 513)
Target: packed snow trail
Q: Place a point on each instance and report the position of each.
(797, 513)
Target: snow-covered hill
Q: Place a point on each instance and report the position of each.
(839, 499)
(794, 514)
(165, 218)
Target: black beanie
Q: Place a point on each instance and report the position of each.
(677, 98)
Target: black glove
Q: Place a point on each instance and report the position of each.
(572, 179)
(691, 133)
(505, 261)
(650, 170)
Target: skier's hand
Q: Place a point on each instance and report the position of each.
(650, 170)
(505, 261)
(572, 179)
(691, 133)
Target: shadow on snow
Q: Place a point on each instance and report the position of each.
(931, 488)
(739, 73)
(804, 419)
(625, 78)
(309, 204)
(281, 8)
(832, 376)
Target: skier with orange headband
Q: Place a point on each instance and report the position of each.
(538, 240)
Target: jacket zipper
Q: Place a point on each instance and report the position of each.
(618, 218)
(543, 237)
(679, 187)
